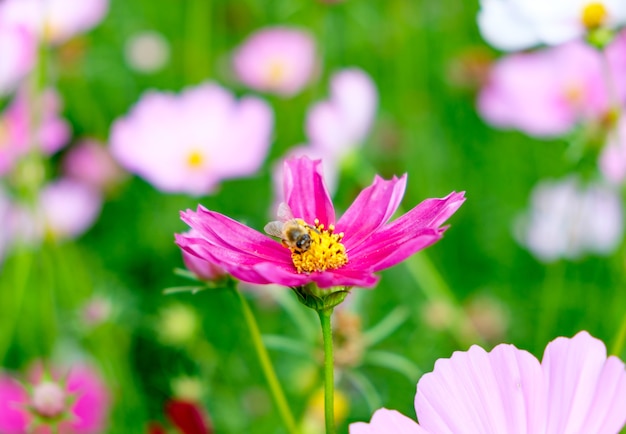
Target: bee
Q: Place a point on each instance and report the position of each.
(293, 232)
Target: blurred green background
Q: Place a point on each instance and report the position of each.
(423, 56)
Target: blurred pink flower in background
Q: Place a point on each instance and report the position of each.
(17, 51)
(54, 20)
(613, 155)
(203, 269)
(91, 162)
(340, 124)
(568, 219)
(343, 252)
(545, 93)
(89, 401)
(16, 135)
(68, 208)
(191, 141)
(518, 24)
(279, 60)
(575, 389)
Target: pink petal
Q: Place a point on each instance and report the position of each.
(386, 421)
(406, 235)
(579, 379)
(372, 208)
(387, 248)
(305, 191)
(13, 416)
(476, 392)
(92, 400)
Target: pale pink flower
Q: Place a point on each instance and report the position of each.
(546, 93)
(613, 157)
(575, 389)
(518, 24)
(17, 51)
(567, 219)
(16, 135)
(279, 60)
(340, 124)
(54, 20)
(82, 391)
(68, 208)
(191, 141)
(91, 162)
(342, 252)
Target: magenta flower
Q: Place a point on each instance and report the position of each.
(343, 252)
(54, 20)
(546, 93)
(82, 394)
(279, 60)
(191, 141)
(575, 389)
(17, 51)
(204, 270)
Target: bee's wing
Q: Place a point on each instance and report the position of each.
(284, 212)
(274, 228)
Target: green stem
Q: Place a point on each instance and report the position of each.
(618, 344)
(266, 365)
(329, 382)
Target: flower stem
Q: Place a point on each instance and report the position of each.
(266, 365)
(618, 343)
(329, 382)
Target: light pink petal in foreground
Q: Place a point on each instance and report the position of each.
(386, 421)
(586, 391)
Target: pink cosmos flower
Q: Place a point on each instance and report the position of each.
(575, 389)
(91, 162)
(54, 20)
(17, 51)
(16, 135)
(279, 60)
(343, 252)
(545, 93)
(68, 208)
(613, 156)
(191, 141)
(89, 401)
(341, 123)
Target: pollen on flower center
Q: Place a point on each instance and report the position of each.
(594, 15)
(195, 159)
(326, 252)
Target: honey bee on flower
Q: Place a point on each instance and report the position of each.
(294, 233)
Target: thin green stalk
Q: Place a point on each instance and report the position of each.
(618, 343)
(266, 365)
(329, 382)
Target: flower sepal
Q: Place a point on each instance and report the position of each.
(321, 299)
(600, 38)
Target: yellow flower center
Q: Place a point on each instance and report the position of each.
(276, 72)
(4, 134)
(195, 159)
(594, 15)
(326, 252)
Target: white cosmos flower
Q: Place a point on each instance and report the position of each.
(512, 25)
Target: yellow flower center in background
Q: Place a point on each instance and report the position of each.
(326, 251)
(594, 15)
(195, 159)
(4, 134)
(275, 73)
